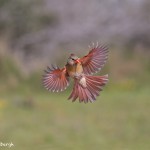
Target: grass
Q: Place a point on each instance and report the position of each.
(118, 120)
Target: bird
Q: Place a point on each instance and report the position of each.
(86, 86)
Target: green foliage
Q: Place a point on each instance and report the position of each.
(3, 2)
(8, 68)
(10, 75)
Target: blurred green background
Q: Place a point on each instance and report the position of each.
(36, 33)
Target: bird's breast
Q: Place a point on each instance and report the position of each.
(74, 69)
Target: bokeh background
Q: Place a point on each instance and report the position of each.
(36, 33)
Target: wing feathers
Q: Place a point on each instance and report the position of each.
(95, 60)
(55, 79)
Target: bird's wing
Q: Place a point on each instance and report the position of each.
(55, 79)
(94, 60)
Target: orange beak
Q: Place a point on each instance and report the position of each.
(77, 61)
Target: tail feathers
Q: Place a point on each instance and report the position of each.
(94, 84)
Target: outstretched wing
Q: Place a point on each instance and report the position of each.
(95, 59)
(55, 79)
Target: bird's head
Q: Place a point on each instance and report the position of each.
(73, 59)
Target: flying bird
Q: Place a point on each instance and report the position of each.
(86, 86)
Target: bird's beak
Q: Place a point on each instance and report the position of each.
(77, 61)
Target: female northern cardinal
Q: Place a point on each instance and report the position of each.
(86, 87)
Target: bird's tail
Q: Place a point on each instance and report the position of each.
(94, 85)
